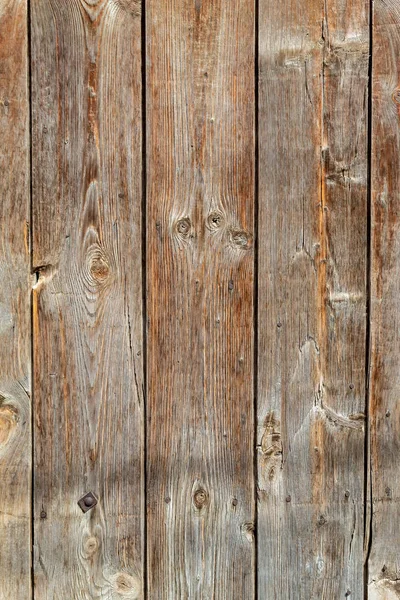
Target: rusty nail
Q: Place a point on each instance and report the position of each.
(87, 502)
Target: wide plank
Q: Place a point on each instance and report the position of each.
(313, 80)
(384, 409)
(15, 290)
(200, 276)
(87, 305)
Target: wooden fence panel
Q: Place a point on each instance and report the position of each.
(15, 330)
(313, 84)
(200, 196)
(384, 407)
(87, 311)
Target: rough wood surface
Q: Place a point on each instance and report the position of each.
(15, 406)
(383, 566)
(200, 182)
(87, 305)
(313, 65)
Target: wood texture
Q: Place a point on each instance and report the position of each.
(383, 566)
(200, 182)
(313, 65)
(87, 255)
(15, 404)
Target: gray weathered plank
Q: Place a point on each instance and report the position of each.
(313, 64)
(87, 254)
(384, 408)
(200, 182)
(15, 405)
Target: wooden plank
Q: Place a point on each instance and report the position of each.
(15, 384)
(200, 182)
(87, 254)
(383, 566)
(313, 65)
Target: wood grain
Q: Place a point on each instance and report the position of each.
(87, 255)
(383, 566)
(200, 182)
(15, 383)
(313, 66)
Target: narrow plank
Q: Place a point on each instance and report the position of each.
(383, 566)
(313, 65)
(15, 289)
(87, 254)
(200, 182)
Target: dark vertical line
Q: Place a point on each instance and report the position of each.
(32, 479)
(255, 292)
(144, 286)
(367, 454)
(32, 419)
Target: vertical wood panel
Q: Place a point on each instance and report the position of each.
(15, 405)
(87, 254)
(313, 63)
(383, 567)
(200, 165)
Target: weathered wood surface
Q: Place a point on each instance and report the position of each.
(15, 405)
(200, 197)
(199, 262)
(87, 304)
(384, 408)
(313, 77)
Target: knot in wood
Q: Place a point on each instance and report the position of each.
(215, 221)
(99, 269)
(8, 422)
(321, 520)
(127, 586)
(247, 530)
(183, 227)
(90, 546)
(396, 96)
(132, 7)
(200, 498)
(241, 239)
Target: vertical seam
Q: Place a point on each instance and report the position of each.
(255, 288)
(367, 453)
(144, 289)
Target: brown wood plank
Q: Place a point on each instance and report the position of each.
(200, 182)
(383, 566)
(87, 253)
(15, 332)
(313, 64)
